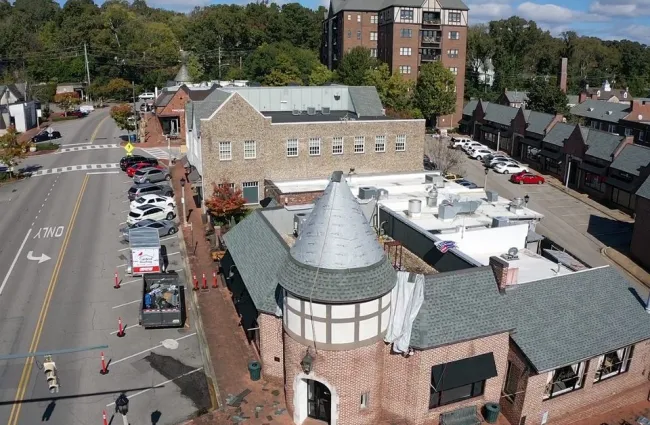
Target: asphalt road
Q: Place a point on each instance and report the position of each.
(67, 300)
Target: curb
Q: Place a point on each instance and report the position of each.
(641, 276)
(595, 206)
(215, 397)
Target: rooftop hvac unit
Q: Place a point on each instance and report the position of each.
(311, 110)
(500, 221)
(367, 192)
(512, 254)
(325, 110)
(435, 179)
(492, 196)
(298, 223)
(296, 112)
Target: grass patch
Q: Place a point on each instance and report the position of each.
(62, 118)
(47, 146)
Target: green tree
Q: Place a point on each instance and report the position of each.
(354, 64)
(395, 92)
(123, 117)
(320, 75)
(195, 68)
(435, 93)
(12, 150)
(67, 101)
(118, 89)
(547, 97)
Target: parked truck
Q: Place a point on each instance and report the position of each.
(163, 301)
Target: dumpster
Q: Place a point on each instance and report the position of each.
(255, 370)
(492, 412)
(144, 257)
(163, 301)
(132, 138)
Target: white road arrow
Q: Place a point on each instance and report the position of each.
(43, 258)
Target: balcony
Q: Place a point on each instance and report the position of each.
(430, 58)
(431, 40)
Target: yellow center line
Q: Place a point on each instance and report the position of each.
(24, 377)
(92, 137)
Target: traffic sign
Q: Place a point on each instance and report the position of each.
(129, 148)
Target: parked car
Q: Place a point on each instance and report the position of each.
(466, 183)
(146, 96)
(527, 178)
(150, 175)
(86, 109)
(157, 200)
(127, 161)
(77, 114)
(164, 227)
(130, 171)
(457, 142)
(138, 190)
(453, 177)
(45, 136)
(480, 153)
(497, 159)
(509, 168)
(150, 212)
(472, 145)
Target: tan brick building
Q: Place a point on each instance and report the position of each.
(402, 34)
(248, 135)
(329, 316)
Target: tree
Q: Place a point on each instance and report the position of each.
(546, 97)
(435, 93)
(123, 117)
(320, 75)
(118, 89)
(67, 101)
(226, 202)
(395, 92)
(446, 159)
(12, 150)
(195, 68)
(353, 66)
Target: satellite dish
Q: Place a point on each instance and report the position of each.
(512, 252)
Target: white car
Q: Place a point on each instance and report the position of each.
(509, 168)
(472, 146)
(460, 141)
(146, 96)
(496, 159)
(480, 153)
(156, 200)
(150, 212)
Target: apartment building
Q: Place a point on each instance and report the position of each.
(404, 35)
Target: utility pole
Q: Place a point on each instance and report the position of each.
(219, 53)
(136, 112)
(87, 71)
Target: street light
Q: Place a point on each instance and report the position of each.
(183, 200)
(122, 407)
(526, 199)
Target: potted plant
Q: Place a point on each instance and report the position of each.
(32, 147)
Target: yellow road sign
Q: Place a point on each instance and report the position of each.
(128, 147)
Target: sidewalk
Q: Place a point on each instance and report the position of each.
(227, 348)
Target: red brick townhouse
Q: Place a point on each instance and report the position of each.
(329, 315)
(169, 108)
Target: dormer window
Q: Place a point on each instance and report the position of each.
(598, 93)
(624, 95)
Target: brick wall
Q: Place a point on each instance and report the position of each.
(404, 42)
(407, 380)
(350, 28)
(592, 395)
(641, 234)
(511, 407)
(238, 121)
(451, 120)
(271, 347)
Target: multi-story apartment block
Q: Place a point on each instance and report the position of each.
(404, 35)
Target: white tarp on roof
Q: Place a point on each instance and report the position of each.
(406, 298)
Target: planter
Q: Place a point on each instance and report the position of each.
(32, 148)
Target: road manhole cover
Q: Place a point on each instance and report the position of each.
(170, 344)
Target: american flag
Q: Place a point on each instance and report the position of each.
(444, 246)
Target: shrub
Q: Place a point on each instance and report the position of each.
(49, 146)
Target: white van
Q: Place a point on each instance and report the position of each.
(146, 96)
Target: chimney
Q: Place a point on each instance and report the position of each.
(504, 273)
(563, 74)
(628, 140)
(582, 96)
(556, 119)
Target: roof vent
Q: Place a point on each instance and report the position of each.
(296, 112)
(325, 110)
(609, 112)
(311, 110)
(298, 223)
(591, 109)
(367, 192)
(512, 254)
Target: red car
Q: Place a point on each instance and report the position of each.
(130, 171)
(527, 178)
(77, 114)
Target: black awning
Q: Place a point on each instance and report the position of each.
(553, 155)
(462, 372)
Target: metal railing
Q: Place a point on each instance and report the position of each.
(431, 39)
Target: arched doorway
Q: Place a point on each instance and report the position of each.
(319, 401)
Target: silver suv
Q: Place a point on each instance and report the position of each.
(138, 190)
(150, 175)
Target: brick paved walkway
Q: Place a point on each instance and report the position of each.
(230, 351)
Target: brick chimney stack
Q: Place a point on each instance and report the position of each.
(563, 74)
(504, 273)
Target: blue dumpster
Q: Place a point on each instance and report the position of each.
(132, 138)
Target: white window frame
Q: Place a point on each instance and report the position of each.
(349, 17)
(611, 128)
(248, 152)
(452, 53)
(290, 146)
(458, 21)
(580, 372)
(400, 143)
(624, 360)
(373, 35)
(405, 69)
(314, 146)
(457, 35)
(405, 51)
(359, 144)
(408, 31)
(225, 151)
(358, 18)
(373, 52)
(374, 19)
(380, 144)
(454, 70)
(337, 145)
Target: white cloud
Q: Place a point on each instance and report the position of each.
(554, 14)
(483, 10)
(628, 8)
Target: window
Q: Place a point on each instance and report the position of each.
(358, 35)
(406, 14)
(314, 146)
(641, 136)
(628, 132)
(358, 18)
(373, 35)
(453, 395)
(623, 198)
(250, 192)
(373, 53)
(380, 143)
(292, 147)
(405, 51)
(452, 53)
(404, 69)
(359, 144)
(565, 380)
(231, 186)
(406, 33)
(374, 19)
(454, 35)
(349, 17)
(225, 151)
(612, 128)
(365, 398)
(614, 363)
(454, 17)
(337, 145)
(400, 143)
(512, 379)
(454, 70)
(595, 182)
(349, 34)
(431, 18)
(250, 149)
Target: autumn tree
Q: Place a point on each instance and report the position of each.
(12, 150)
(226, 203)
(123, 117)
(67, 101)
(118, 89)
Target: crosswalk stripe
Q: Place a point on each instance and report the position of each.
(81, 148)
(74, 168)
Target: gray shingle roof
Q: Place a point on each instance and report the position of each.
(559, 133)
(163, 98)
(470, 107)
(538, 121)
(183, 75)
(500, 114)
(206, 108)
(516, 96)
(366, 101)
(259, 253)
(599, 110)
(374, 5)
(199, 94)
(459, 306)
(601, 144)
(644, 189)
(569, 318)
(632, 159)
(453, 4)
